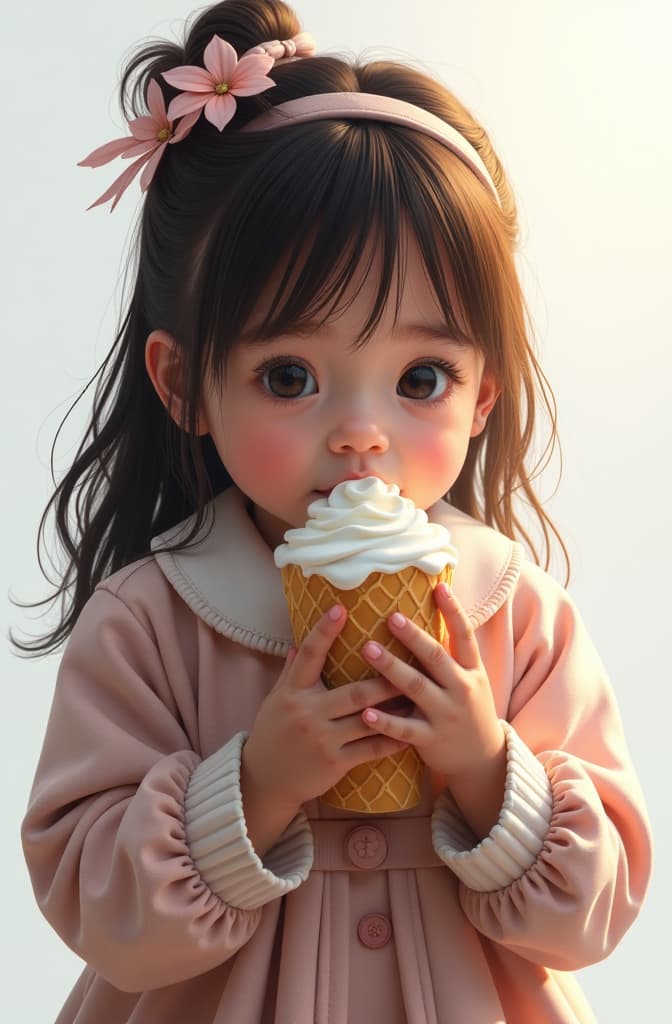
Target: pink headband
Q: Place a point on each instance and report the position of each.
(372, 107)
(213, 88)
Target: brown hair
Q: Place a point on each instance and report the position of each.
(223, 212)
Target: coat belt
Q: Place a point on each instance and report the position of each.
(360, 844)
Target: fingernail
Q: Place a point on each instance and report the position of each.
(372, 650)
(335, 613)
(370, 716)
(443, 590)
(398, 620)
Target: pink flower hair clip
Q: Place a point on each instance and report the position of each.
(150, 134)
(212, 89)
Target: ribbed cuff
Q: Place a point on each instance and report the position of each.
(515, 842)
(218, 841)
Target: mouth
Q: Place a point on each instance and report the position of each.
(400, 706)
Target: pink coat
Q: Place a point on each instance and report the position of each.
(139, 858)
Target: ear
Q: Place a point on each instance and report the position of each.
(488, 393)
(163, 361)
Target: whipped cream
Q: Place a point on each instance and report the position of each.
(365, 526)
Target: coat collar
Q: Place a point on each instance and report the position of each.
(229, 579)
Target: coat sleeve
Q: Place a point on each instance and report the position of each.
(564, 872)
(104, 835)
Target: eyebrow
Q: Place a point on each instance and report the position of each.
(418, 332)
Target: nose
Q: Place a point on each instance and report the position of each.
(358, 434)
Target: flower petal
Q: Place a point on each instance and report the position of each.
(185, 125)
(253, 64)
(251, 85)
(220, 59)
(186, 102)
(220, 109)
(103, 155)
(144, 146)
(120, 184)
(190, 78)
(146, 127)
(151, 166)
(156, 103)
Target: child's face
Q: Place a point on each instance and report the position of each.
(298, 414)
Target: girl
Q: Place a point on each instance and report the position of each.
(325, 289)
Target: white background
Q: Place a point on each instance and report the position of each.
(576, 97)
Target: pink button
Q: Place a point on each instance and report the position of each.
(374, 931)
(366, 847)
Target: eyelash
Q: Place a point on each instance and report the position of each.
(454, 374)
(451, 371)
(270, 364)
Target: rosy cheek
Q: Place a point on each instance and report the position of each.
(431, 454)
(269, 454)
(436, 463)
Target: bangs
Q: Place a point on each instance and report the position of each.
(328, 201)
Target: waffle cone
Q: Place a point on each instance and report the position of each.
(392, 783)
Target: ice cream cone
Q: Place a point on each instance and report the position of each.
(392, 783)
(367, 547)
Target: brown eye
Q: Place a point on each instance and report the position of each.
(423, 381)
(289, 380)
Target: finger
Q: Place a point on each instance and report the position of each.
(409, 679)
(461, 634)
(415, 732)
(306, 667)
(432, 655)
(291, 655)
(372, 748)
(354, 697)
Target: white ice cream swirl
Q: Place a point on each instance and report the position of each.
(365, 526)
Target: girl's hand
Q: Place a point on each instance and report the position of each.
(306, 738)
(454, 726)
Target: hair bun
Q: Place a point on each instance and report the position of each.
(245, 24)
